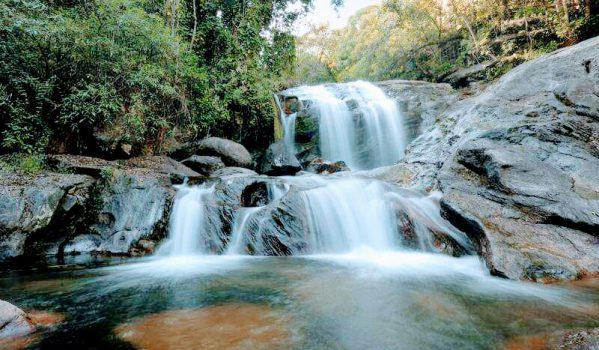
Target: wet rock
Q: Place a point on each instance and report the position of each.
(232, 153)
(204, 164)
(161, 165)
(129, 205)
(14, 321)
(36, 213)
(320, 166)
(518, 165)
(279, 160)
(231, 172)
(421, 103)
(255, 195)
(398, 174)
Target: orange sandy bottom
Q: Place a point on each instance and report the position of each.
(236, 326)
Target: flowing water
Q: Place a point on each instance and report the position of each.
(358, 124)
(364, 268)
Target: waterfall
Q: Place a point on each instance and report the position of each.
(289, 132)
(349, 215)
(188, 222)
(313, 214)
(357, 123)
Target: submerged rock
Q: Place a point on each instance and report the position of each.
(19, 330)
(232, 326)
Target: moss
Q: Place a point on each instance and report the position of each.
(29, 164)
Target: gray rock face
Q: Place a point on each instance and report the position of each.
(232, 153)
(204, 164)
(129, 206)
(421, 103)
(32, 207)
(13, 321)
(231, 172)
(519, 168)
(278, 160)
(123, 204)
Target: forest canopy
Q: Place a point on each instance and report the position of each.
(429, 39)
(88, 76)
(80, 75)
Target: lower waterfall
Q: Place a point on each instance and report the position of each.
(330, 216)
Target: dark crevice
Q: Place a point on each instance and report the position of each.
(585, 227)
(587, 66)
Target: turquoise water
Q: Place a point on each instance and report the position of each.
(357, 301)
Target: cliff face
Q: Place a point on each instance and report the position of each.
(519, 166)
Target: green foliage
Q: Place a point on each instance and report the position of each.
(140, 71)
(24, 163)
(423, 39)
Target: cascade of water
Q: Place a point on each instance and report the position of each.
(335, 126)
(350, 214)
(188, 221)
(384, 137)
(358, 124)
(289, 132)
(276, 191)
(240, 230)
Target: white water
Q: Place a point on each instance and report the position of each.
(188, 222)
(289, 132)
(350, 215)
(240, 230)
(358, 124)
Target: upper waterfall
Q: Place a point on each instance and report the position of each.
(357, 123)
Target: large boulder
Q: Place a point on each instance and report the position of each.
(204, 164)
(519, 167)
(37, 213)
(120, 209)
(232, 153)
(128, 206)
(279, 160)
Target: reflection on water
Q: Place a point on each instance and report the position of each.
(354, 301)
